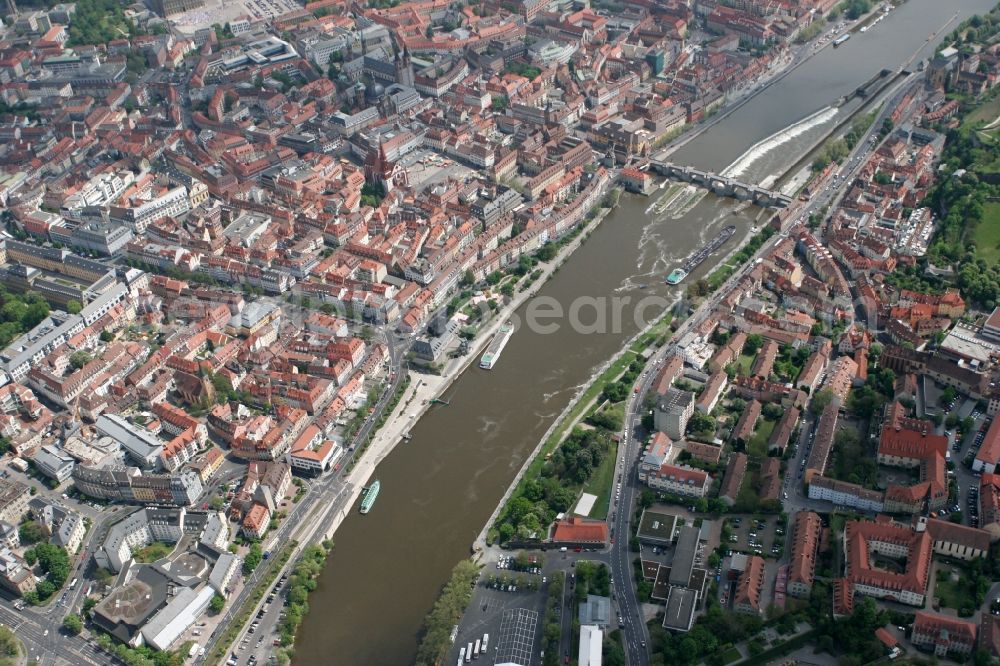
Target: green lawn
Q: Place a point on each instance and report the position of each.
(658, 329)
(955, 594)
(987, 234)
(984, 115)
(745, 363)
(720, 275)
(614, 371)
(593, 391)
(731, 655)
(758, 443)
(153, 552)
(602, 480)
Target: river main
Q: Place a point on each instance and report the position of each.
(438, 489)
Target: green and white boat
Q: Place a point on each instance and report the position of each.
(371, 492)
(676, 276)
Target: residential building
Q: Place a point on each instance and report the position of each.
(736, 470)
(118, 483)
(805, 539)
(15, 574)
(747, 598)
(312, 453)
(66, 528)
(138, 530)
(714, 389)
(14, 497)
(943, 635)
(864, 540)
(256, 522)
(678, 480)
(842, 493)
(673, 411)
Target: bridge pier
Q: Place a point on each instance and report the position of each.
(723, 186)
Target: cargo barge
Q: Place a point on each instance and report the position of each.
(696, 258)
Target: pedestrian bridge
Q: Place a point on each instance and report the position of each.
(723, 186)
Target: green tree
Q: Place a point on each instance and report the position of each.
(819, 402)
(253, 559)
(73, 307)
(701, 423)
(104, 576)
(32, 532)
(78, 359)
(217, 604)
(73, 624)
(547, 252)
(754, 342)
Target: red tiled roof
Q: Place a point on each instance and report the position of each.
(989, 498)
(945, 628)
(805, 542)
(906, 443)
(963, 535)
(989, 634)
(989, 452)
(577, 530)
(750, 583)
(886, 638)
(735, 471)
(860, 534)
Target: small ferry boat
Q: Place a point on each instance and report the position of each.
(371, 492)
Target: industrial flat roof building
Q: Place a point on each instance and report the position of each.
(684, 554)
(591, 642)
(141, 445)
(679, 611)
(175, 618)
(596, 610)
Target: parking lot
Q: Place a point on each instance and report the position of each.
(259, 640)
(758, 536)
(508, 618)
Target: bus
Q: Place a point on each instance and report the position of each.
(475, 650)
(468, 653)
(72, 584)
(486, 642)
(461, 656)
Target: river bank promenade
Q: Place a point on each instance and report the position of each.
(425, 388)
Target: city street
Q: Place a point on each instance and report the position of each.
(330, 497)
